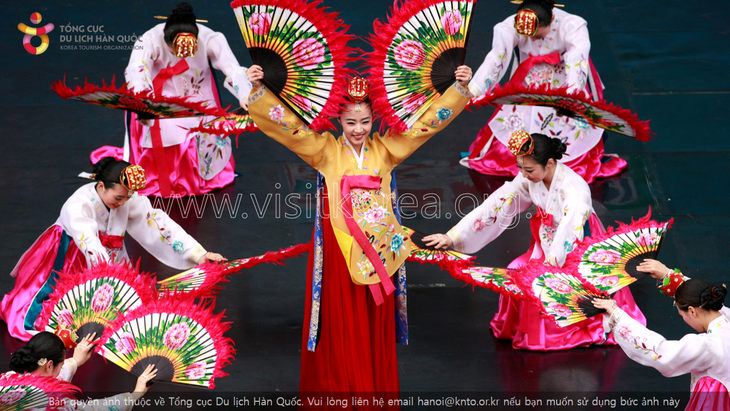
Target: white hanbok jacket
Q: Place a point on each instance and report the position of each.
(568, 203)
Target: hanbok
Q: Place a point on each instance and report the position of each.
(564, 214)
(350, 330)
(560, 59)
(194, 163)
(85, 233)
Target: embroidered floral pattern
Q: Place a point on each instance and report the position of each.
(444, 114)
(639, 342)
(276, 113)
(178, 246)
(547, 235)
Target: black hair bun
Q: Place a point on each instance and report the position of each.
(102, 165)
(713, 297)
(559, 148)
(23, 360)
(182, 9)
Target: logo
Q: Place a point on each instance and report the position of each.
(31, 32)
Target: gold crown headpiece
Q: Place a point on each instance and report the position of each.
(133, 178)
(68, 336)
(526, 22)
(521, 143)
(185, 45)
(358, 89)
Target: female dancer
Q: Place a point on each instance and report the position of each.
(90, 229)
(704, 356)
(175, 59)
(564, 214)
(362, 241)
(553, 49)
(45, 356)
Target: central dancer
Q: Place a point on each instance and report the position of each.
(362, 244)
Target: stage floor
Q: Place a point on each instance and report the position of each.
(662, 60)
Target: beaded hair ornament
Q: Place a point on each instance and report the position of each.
(133, 178)
(521, 143)
(526, 22)
(185, 45)
(358, 89)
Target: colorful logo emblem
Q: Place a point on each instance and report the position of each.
(31, 32)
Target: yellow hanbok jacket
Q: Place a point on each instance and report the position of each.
(370, 204)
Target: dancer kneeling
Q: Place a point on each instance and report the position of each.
(91, 229)
(564, 215)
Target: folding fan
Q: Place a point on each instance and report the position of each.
(22, 392)
(575, 105)
(302, 50)
(609, 261)
(563, 296)
(416, 53)
(203, 280)
(495, 279)
(146, 104)
(184, 341)
(232, 123)
(422, 253)
(90, 300)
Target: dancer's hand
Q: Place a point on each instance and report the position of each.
(209, 256)
(143, 382)
(463, 75)
(255, 74)
(654, 268)
(244, 103)
(438, 241)
(605, 304)
(145, 121)
(84, 349)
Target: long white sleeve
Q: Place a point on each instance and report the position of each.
(491, 218)
(223, 59)
(495, 63)
(577, 51)
(577, 208)
(161, 236)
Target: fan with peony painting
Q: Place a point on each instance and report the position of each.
(22, 392)
(145, 104)
(609, 261)
(302, 50)
(575, 105)
(416, 52)
(184, 342)
(88, 301)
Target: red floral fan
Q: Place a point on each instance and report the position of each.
(609, 261)
(416, 53)
(495, 279)
(448, 259)
(232, 123)
(565, 297)
(205, 279)
(22, 392)
(146, 104)
(90, 300)
(302, 50)
(575, 105)
(184, 341)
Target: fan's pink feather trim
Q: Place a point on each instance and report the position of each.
(380, 39)
(335, 33)
(461, 276)
(216, 274)
(580, 247)
(53, 387)
(142, 283)
(200, 313)
(641, 127)
(65, 92)
(219, 128)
